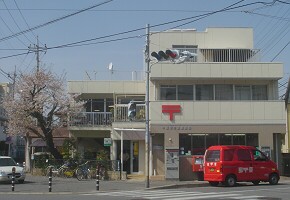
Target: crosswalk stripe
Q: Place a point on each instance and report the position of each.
(248, 197)
(175, 195)
(203, 197)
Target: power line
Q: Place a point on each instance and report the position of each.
(198, 17)
(53, 21)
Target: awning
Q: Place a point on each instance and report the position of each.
(41, 143)
(129, 134)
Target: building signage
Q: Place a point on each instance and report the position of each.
(107, 142)
(177, 127)
(171, 109)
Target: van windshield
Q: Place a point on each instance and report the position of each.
(212, 156)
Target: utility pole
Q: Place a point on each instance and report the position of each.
(36, 49)
(147, 133)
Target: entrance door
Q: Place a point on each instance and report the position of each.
(134, 156)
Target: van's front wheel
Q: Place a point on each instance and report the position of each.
(230, 181)
(273, 179)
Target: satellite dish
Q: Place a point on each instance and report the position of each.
(111, 68)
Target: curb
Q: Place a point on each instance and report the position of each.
(175, 186)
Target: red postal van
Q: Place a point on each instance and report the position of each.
(236, 163)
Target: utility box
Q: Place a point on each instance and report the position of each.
(197, 163)
(197, 166)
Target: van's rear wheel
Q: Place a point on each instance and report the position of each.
(230, 181)
(273, 179)
(213, 183)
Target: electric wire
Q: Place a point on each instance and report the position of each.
(54, 21)
(14, 20)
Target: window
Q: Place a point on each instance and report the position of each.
(223, 92)
(242, 92)
(212, 156)
(259, 92)
(168, 92)
(185, 92)
(190, 48)
(244, 155)
(225, 139)
(229, 154)
(204, 92)
(184, 144)
(211, 139)
(198, 144)
(259, 156)
(252, 139)
(239, 139)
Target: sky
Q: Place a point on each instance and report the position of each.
(112, 31)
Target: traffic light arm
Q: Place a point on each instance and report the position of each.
(173, 55)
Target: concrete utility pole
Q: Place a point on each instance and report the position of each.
(36, 48)
(147, 133)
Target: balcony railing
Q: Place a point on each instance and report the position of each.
(121, 113)
(91, 119)
(88, 119)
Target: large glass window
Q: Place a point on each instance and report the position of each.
(252, 139)
(211, 139)
(185, 92)
(204, 92)
(259, 92)
(168, 92)
(242, 92)
(224, 92)
(239, 139)
(198, 144)
(185, 144)
(225, 139)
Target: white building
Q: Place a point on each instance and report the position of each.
(224, 95)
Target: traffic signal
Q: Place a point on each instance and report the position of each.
(173, 55)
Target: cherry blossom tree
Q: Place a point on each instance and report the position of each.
(38, 105)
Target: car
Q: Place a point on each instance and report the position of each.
(229, 164)
(6, 165)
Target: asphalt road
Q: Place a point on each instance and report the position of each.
(72, 189)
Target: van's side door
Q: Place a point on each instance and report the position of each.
(261, 165)
(244, 165)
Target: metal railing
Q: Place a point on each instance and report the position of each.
(229, 55)
(91, 119)
(121, 113)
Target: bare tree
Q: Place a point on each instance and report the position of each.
(39, 105)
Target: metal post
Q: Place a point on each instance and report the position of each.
(147, 134)
(50, 179)
(122, 151)
(13, 178)
(98, 178)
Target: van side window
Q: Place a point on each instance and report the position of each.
(259, 156)
(228, 154)
(212, 156)
(244, 155)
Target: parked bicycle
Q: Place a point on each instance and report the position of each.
(67, 170)
(84, 171)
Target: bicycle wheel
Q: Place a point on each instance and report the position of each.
(80, 174)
